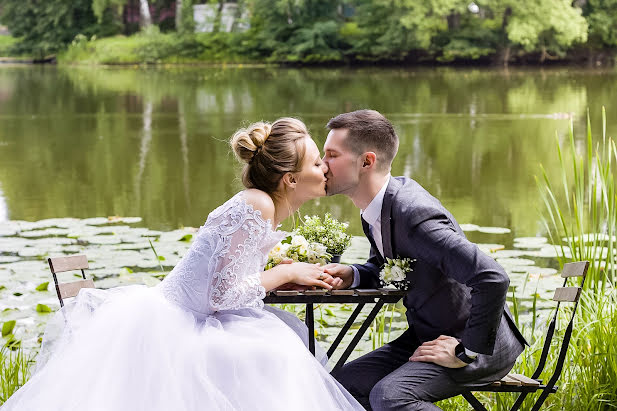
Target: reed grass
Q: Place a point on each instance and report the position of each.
(15, 366)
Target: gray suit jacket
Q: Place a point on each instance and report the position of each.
(456, 289)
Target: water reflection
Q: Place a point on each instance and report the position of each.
(87, 142)
(4, 212)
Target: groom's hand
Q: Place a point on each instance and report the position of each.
(439, 351)
(342, 272)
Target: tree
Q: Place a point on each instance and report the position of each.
(145, 19)
(602, 18)
(295, 30)
(392, 30)
(47, 27)
(544, 26)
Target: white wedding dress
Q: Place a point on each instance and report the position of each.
(201, 340)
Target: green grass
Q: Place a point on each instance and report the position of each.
(6, 42)
(14, 371)
(154, 47)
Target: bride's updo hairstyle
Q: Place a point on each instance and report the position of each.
(269, 151)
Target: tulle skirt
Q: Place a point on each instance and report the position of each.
(129, 348)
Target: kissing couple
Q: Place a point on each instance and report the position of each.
(202, 338)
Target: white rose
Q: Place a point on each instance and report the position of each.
(298, 240)
(398, 274)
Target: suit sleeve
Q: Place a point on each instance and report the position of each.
(369, 271)
(438, 243)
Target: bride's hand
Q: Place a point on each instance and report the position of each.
(311, 275)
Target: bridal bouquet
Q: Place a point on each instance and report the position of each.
(394, 273)
(297, 248)
(329, 232)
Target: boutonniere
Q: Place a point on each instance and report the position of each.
(394, 273)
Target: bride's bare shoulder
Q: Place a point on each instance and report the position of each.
(261, 201)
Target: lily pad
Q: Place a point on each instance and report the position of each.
(126, 220)
(469, 227)
(7, 328)
(102, 239)
(7, 232)
(32, 252)
(42, 308)
(494, 230)
(49, 232)
(515, 263)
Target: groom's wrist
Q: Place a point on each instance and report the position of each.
(461, 353)
(356, 277)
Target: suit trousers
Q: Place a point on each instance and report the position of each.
(385, 379)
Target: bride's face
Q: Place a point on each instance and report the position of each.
(311, 180)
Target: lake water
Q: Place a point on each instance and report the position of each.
(84, 142)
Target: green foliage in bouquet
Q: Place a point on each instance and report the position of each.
(329, 232)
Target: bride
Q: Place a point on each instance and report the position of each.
(201, 339)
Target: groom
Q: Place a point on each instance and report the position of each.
(461, 332)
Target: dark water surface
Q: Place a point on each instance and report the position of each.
(84, 142)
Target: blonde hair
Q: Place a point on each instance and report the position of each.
(269, 151)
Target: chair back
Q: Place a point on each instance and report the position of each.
(72, 263)
(563, 294)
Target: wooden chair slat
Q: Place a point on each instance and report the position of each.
(315, 292)
(577, 269)
(368, 292)
(496, 384)
(508, 380)
(74, 262)
(526, 381)
(71, 289)
(569, 294)
(342, 292)
(285, 293)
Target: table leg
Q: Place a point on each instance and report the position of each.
(310, 323)
(359, 334)
(345, 328)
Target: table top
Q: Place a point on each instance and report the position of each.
(387, 295)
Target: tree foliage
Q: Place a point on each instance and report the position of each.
(331, 31)
(45, 27)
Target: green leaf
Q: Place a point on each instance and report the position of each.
(186, 237)
(2, 287)
(13, 343)
(7, 328)
(42, 308)
(42, 286)
(161, 258)
(128, 270)
(17, 294)
(329, 312)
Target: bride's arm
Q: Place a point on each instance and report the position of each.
(234, 283)
(298, 273)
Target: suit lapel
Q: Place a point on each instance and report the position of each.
(386, 217)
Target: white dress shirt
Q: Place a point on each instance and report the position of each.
(372, 215)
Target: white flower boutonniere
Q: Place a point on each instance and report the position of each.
(394, 272)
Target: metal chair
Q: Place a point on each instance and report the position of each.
(526, 385)
(62, 264)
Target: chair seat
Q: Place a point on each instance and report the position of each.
(514, 383)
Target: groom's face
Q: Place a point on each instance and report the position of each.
(343, 172)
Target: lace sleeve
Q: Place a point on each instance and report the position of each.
(238, 262)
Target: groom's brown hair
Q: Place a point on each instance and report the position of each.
(368, 130)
